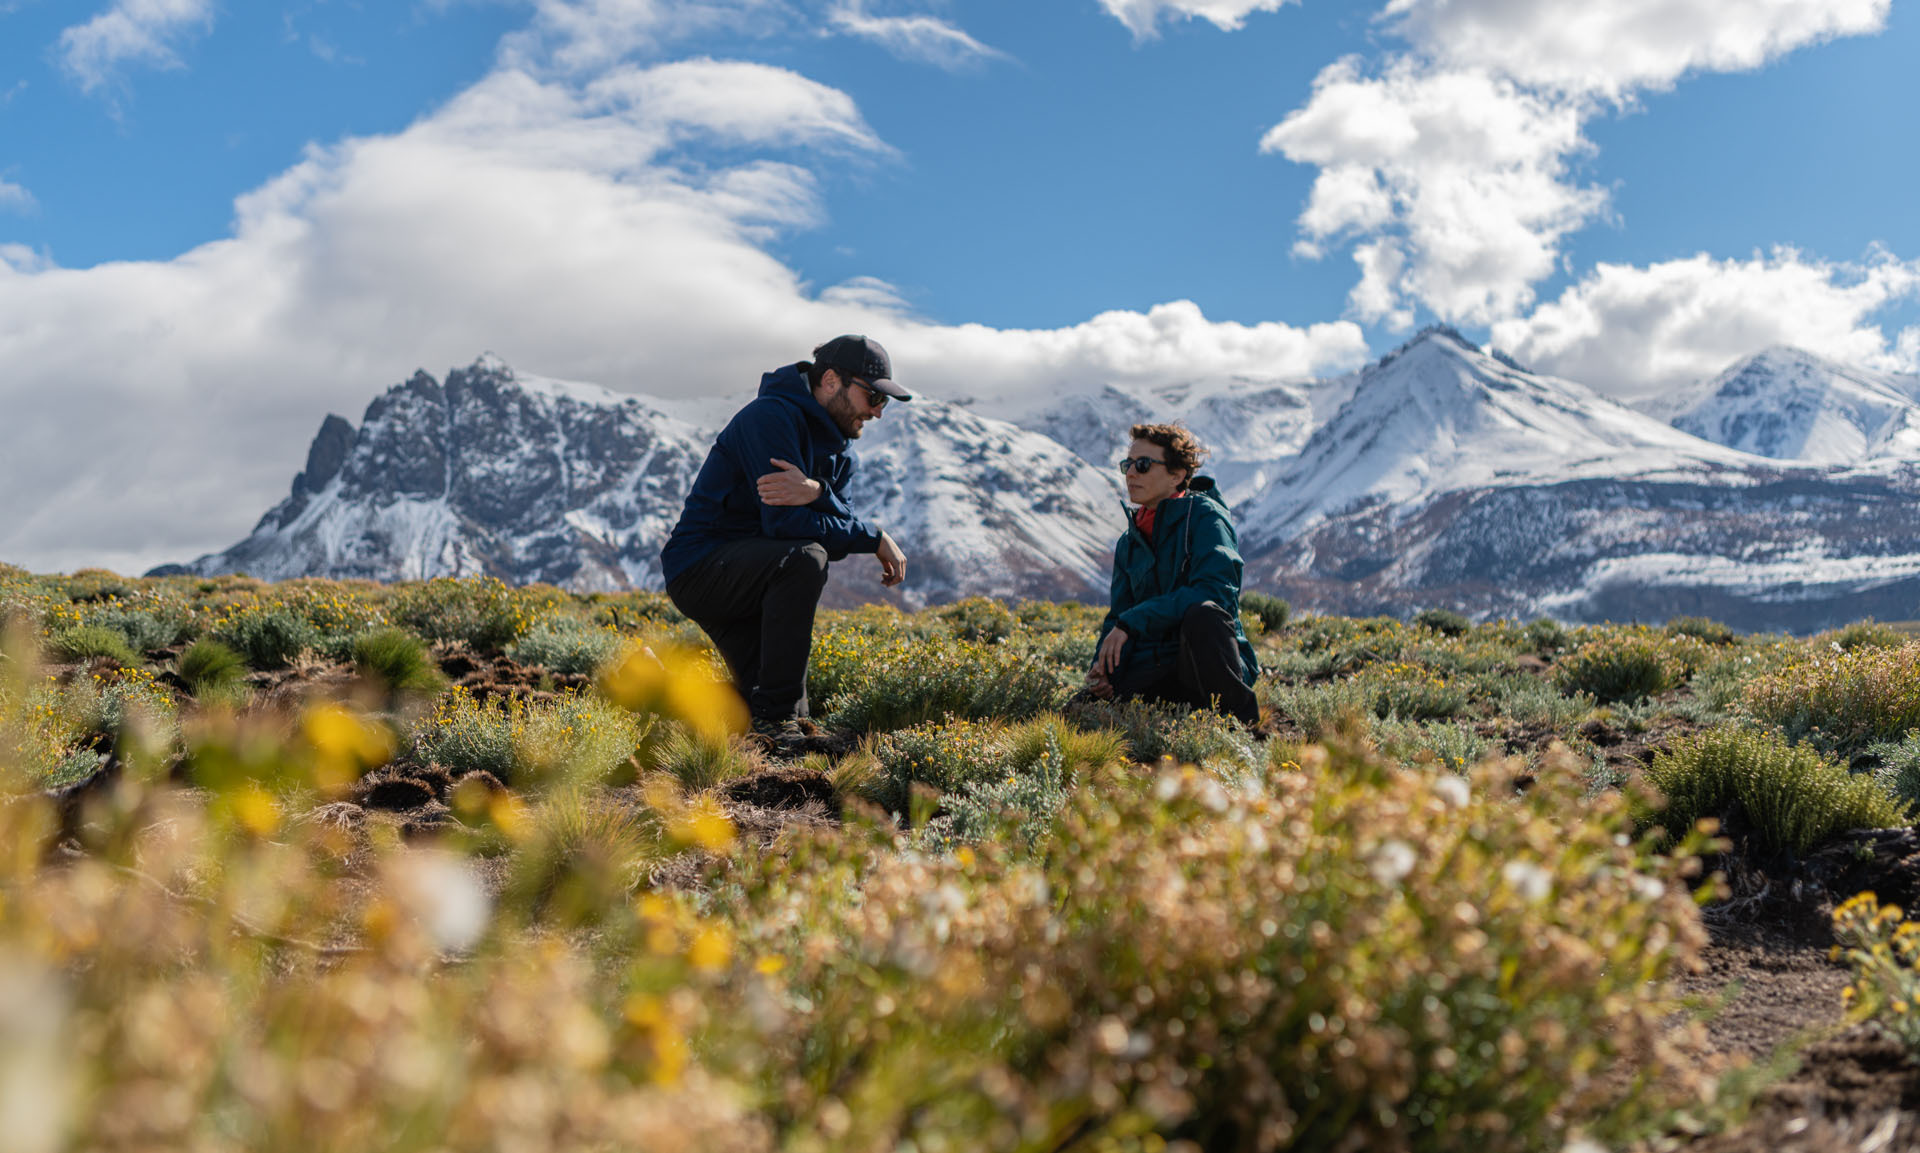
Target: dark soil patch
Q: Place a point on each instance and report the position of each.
(1856, 1093)
(502, 676)
(395, 794)
(1852, 1089)
(784, 788)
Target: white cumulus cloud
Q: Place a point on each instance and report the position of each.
(1450, 166)
(917, 37)
(156, 409)
(1143, 17)
(1637, 332)
(1454, 182)
(148, 31)
(1616, 46)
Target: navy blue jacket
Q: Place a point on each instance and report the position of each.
(1193, 557)
(783, 421)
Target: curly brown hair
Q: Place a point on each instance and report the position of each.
(1183, 449)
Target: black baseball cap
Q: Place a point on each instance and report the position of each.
(862, 357)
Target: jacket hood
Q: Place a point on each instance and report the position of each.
(789, 385)
(1200, 487)
(1203, 487)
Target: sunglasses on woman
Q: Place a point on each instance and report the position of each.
(1140, 464)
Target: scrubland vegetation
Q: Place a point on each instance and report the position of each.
(454, 866)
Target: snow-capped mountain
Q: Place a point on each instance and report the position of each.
(517, 476)
(1438, 415)
(1789, 404)
(531, 479)
(1452, 478)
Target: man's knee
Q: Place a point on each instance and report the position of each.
(804, 564)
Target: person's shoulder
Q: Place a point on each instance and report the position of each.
(764, 410)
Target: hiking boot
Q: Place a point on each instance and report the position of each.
(785, 736)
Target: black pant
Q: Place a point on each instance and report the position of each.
(756, 598)
(1205, 671)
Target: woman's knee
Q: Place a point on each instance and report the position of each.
(1206, 614)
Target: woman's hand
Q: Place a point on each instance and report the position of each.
(1099, 685)
(1107, 661)
(789, 486)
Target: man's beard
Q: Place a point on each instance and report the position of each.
(840, 408)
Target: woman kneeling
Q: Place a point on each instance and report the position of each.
(1173, 632)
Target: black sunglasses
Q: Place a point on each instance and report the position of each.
(875, 397)
(1140, 464)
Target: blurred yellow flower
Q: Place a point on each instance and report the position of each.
(676, 683)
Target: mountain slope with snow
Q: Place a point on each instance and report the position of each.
(1438, 415)
(1453, 479)
(1789, 404)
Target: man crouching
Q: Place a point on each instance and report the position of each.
(1172, 631)
(748, 560)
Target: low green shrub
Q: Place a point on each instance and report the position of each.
(876, 682)
(978, 619)
(1702, 629)
(1530, 701)
(997, 782)
(700, 762)
(1622, 668)
(395, 659)
(91, 642)
(209, 667)
(95, 585)
(1321, 710)
(1154, 731)
(1271, 611)
(1866, 634)
(146, 629)
(470, 736)
(1545, 636)
(1898, 766)
(566, 645)
(479, 611)
(584, 855)
(103, 711)
(1842, 700)
(943, 755)
(1400, 691)
(269, 636)
(573, 738)
(1446, 622)
(1789, 795)
(1018, 808)
(1450, 745)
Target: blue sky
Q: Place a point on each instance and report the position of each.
(221, 219)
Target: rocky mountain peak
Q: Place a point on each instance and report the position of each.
(1790, 404)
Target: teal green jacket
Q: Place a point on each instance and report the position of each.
(1193, 558)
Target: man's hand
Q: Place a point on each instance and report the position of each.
(1107, 661)
(893, 562)
(788, 486)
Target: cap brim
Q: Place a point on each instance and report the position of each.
(891, 389)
